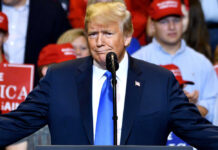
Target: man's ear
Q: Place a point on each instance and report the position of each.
(127, 40)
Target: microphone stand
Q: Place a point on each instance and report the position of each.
(115, 117)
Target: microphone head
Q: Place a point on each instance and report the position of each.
(112, 62)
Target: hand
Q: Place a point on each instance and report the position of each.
(202, 110)
(192, 97)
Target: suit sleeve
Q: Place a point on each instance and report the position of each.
(186, 121)
(30, 116)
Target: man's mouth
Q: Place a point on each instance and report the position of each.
(102, 51)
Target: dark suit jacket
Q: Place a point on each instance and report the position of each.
(47, 21)
(63, 99)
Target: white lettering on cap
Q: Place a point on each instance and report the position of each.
(168, 4)
(176, 72)
(68, 51)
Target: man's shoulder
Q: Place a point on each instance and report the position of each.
(147, 67)
(72, 65)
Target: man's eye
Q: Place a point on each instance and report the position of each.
(92, 35)
(108, 34)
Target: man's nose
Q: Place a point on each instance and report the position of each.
(99, 39)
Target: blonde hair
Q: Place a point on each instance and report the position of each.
(96, 1)
(70, 35)
(107, 12)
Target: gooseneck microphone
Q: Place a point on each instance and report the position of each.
(112, 66)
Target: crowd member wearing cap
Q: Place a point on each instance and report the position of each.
(3, 35)
(54, 53)
(33, 25)
(150, 101)
(168, 47)
(77, 38)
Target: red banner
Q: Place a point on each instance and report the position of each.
(16, 81)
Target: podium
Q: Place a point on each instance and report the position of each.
(124, 147)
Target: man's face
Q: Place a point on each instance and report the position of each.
(106, 38)
(168, 31)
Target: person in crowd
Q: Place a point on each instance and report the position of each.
(150, 101)
(54, 53)
(77, 38)
(196, 33)
(3, 35)
(21, 145)
(168, 47)
(210, 9)
(33, 24)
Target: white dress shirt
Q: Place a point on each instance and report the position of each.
(97, 83)
(14, 47)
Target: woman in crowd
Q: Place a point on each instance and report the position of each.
(78, 39)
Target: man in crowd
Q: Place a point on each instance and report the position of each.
(33, 25)
(168, 47)
(70, 100)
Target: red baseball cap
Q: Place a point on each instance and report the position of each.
(162, 8)
(177, 74)
(56, 53)
(3, 22)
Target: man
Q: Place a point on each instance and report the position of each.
(168, 47)
(150, 101)
(33, 25)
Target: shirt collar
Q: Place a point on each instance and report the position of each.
(179, 51)
(123, 67)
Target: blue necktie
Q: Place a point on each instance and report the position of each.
(104, 125)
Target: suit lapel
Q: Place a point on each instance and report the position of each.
(84, 83)
(132, 99)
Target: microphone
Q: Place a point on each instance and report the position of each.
(112, 62)
(112, 66)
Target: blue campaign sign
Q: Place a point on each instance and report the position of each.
(174, 140)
